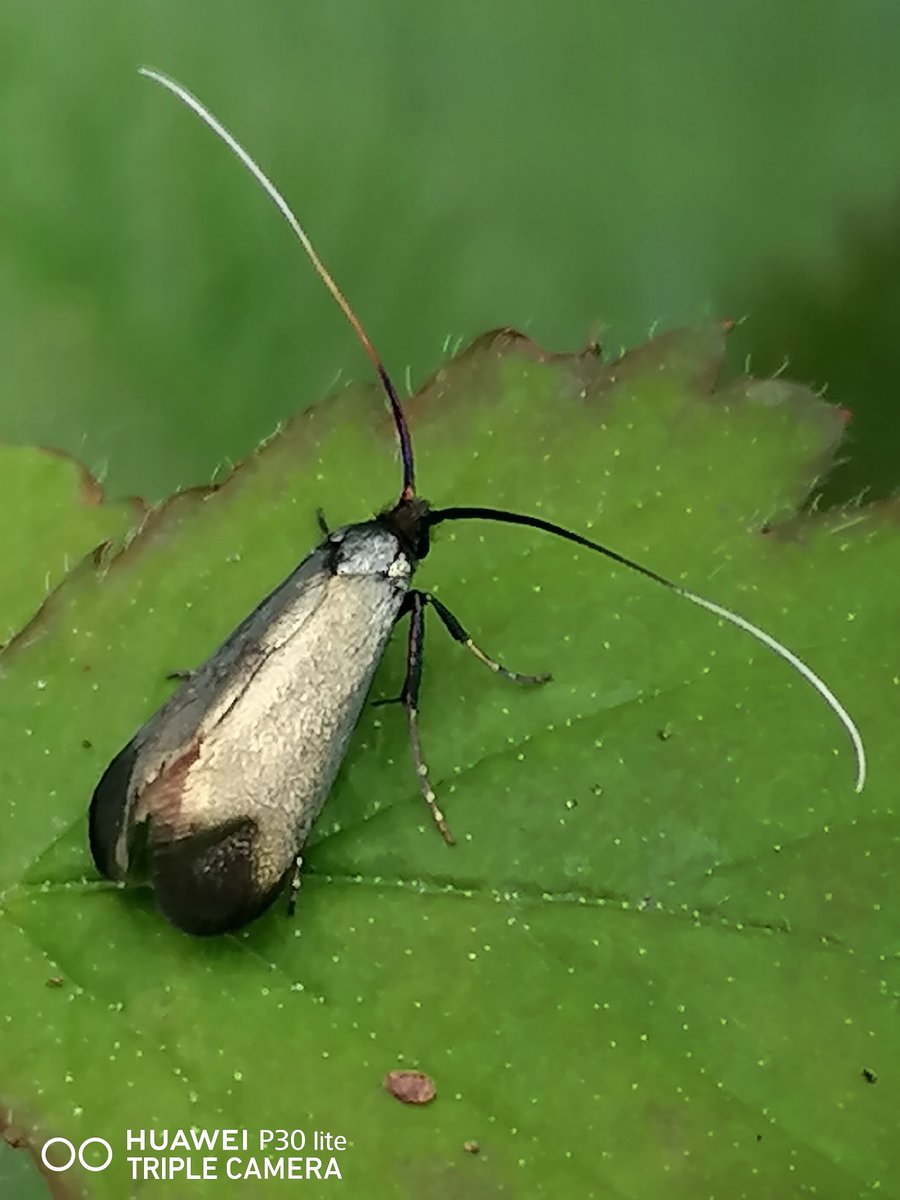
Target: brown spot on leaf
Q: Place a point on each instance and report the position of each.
(410, 1087)
(18, 1135)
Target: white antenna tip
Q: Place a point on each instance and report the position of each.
(800, 666)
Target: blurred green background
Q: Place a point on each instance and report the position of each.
(569, 169)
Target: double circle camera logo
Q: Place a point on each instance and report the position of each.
(75, 1152)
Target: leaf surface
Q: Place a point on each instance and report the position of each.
(53, 513)
(665, 948)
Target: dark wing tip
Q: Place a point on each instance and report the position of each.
(207, 883)
(109, 811)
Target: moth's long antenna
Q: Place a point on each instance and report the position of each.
(186, 97)
(510, 518)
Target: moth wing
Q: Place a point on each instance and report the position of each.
(206, 883)
(164, 743)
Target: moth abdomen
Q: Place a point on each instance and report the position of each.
(212, 880)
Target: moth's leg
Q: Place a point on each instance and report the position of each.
(295, 885)
(460, 635)
(322, 523)
(405, 610)
(182, 676)
(409, 698)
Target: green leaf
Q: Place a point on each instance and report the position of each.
(53, 513)
(665, 948)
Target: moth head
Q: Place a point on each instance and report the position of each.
(409, 523)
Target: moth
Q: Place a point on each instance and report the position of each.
(218, 790)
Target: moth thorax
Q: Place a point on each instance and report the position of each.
(370, 549)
